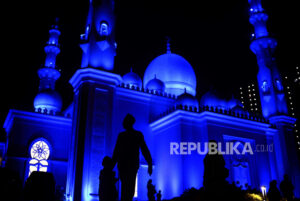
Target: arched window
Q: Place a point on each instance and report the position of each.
(279, 86)
(87, 30)
(39, 152)
(103, 29)
(265, 86)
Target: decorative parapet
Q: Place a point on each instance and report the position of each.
(242, 115)
(166, 95)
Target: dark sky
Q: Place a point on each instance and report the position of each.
(214, 36)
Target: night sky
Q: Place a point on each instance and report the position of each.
(214, 36)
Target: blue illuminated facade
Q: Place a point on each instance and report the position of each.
(71, 143)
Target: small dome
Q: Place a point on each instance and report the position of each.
(132, 79)
(233, 102)
(49, 99)
(187, 99)
(156, 85)
(176, 73)
(239, 109)
(212, 99)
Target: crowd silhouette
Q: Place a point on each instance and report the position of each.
(40, 186)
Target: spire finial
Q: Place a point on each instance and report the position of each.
(55, 24)
(131, 69)
(168, 45)
(56, 21)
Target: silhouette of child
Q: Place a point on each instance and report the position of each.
(151, 191)
(107, 181)
(158, 195)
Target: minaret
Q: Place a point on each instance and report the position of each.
(48, 100)
(94, 86)
(274, 106)
(269, 81)
(98, 42)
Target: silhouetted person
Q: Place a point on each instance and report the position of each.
(126, 154)
(158, 195)
(151, 191)
(215, 173)
(287, 188)
(10, 185)
(107, 181)
(273, 193)
(40, 186)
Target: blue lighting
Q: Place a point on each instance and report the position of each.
(48, 100)
(98, 43)
(166, 109)
(174, 71)
(39, 152)
(132, 79)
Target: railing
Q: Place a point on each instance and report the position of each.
(238, 114)
(141, 89)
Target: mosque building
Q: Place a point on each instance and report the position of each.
(71, 142)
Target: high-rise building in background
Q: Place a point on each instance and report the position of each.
(250, 98)
(292, 89)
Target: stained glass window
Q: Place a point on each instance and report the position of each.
(39, 153)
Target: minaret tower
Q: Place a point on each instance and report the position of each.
(271, 91)
(94, 85)
(269, 81)
(98, 42)
(48, 100)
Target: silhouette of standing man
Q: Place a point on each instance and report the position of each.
(126, 154)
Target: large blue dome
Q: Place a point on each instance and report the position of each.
(176, 73)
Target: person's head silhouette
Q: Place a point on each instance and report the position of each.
(107, 162)
(286, 177)
(273, 184)
(128, 122)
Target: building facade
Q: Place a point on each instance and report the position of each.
(71, 143)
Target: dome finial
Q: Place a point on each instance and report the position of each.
(168, 45)
(131, 69)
